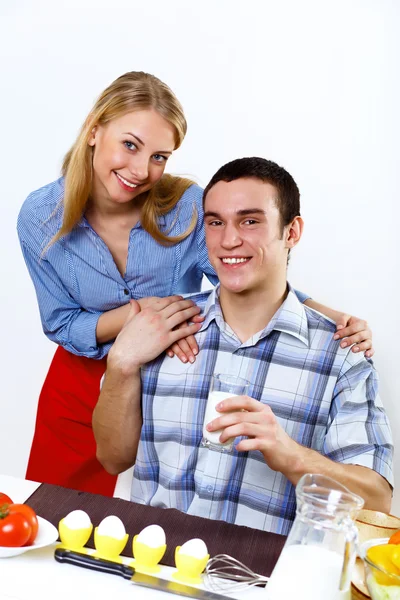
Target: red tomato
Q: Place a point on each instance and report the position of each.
(30, 516)
(4, 499)
(14, 530)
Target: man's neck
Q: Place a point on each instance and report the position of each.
(247, 313)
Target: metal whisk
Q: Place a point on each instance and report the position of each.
(225, 573)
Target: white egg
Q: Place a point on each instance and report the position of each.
(113, 527)
(77, 519)
(195, 547)
(153, 536)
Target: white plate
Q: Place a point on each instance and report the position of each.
(47, 534)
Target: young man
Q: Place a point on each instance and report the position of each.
(312, 406)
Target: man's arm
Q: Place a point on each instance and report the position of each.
(363, 481)
(283, 454)
(117, 418)
(359, 433)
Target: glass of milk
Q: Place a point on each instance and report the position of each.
(222, 387)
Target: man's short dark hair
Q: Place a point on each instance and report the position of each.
(288, 198)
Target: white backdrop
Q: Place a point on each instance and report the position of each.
(313, 85)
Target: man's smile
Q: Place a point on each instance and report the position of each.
(235, 260)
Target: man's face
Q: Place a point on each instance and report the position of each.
(244, 235)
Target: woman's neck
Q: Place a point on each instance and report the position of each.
(103, 209)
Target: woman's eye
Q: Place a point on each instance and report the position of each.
(160, 158)
(130, 145)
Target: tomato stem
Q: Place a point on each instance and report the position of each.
(4, 512)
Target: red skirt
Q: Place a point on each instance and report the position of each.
(63, 449)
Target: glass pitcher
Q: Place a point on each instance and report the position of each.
(317, 560)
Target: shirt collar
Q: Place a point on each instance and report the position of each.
(212, 310)
(84, 222)
(290, 317)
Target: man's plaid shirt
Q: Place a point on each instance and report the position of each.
(325, 397)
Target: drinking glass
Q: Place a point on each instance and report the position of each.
(222, 387)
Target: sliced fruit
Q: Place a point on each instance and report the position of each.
(395, 539)
(384, 556)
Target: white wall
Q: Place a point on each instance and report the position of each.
(312, 85)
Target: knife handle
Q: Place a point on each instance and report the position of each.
(94, 563)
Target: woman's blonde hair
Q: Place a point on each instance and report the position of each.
(133, 91)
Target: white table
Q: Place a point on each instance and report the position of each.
(35, 575)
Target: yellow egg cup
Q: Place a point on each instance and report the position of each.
(109, 547)
(189, 568)
(73, 539)
(146, 557)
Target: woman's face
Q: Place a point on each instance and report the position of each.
(130, 154)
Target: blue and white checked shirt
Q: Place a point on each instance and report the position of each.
(325, 397)
(76, 280)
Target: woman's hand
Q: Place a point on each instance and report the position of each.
(186, 349)
(354, 331)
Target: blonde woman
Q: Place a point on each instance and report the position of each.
(114, 227)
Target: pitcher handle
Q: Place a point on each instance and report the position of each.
(350, 551)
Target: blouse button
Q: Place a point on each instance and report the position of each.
(126, 292)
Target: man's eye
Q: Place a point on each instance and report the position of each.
(130, 145)
(250, 222)
(215, 223)
(160, 158)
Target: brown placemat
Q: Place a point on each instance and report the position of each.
(257, 549)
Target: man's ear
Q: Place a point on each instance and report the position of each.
(293, 232)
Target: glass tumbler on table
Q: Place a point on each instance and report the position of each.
(222, 387)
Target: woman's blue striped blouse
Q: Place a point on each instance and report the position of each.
(76, 279)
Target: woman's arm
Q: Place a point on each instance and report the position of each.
(64, 321)
(354, 330)
(110, 323)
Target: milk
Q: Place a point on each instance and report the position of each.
(211, 413)
(306, 573)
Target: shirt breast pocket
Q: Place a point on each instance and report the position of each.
(181, 378)
(283, 405)
(297, 414)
